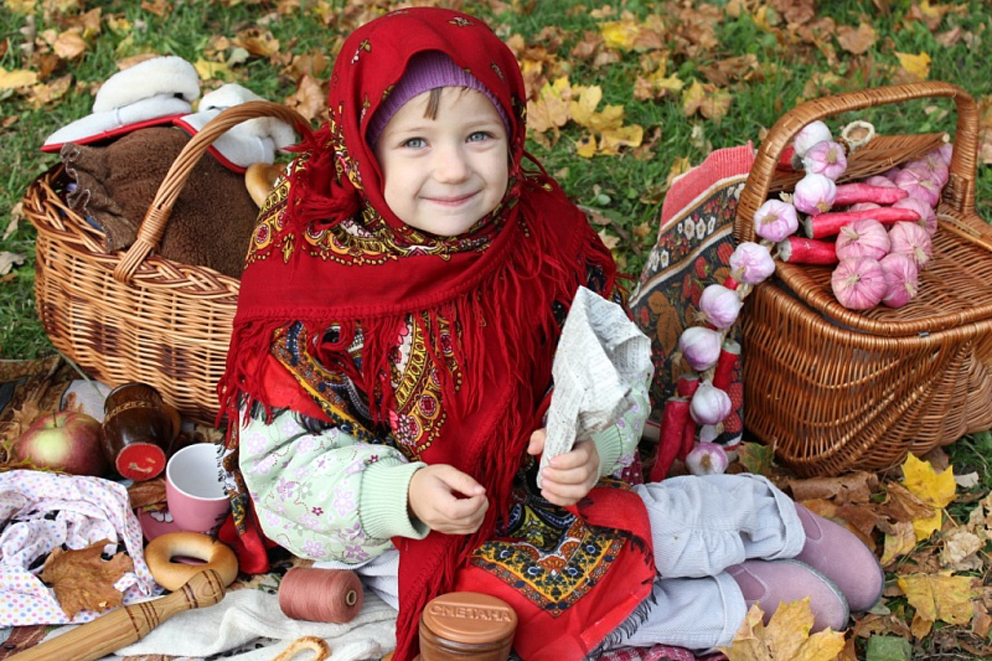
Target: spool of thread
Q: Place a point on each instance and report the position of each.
(320, 595)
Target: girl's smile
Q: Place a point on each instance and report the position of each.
(443, 175)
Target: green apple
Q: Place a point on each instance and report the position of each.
(66, 441)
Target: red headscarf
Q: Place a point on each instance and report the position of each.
(330, 251)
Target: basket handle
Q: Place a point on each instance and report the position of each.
(960, 189)
(153, 226)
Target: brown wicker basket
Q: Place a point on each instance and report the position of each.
(833, 389)
(135, 316)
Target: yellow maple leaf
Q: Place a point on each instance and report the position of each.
(786, 638)
(20, 6)
(917, 66)
(900, 542)
(586, 146)
(935, 489)
(611, 140)
(939, 596)
(550, 109)
(17, 78)
(583, 110)
(620, 34)
(212, 70)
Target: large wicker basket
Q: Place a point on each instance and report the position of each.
(134, 315)
(832, 389)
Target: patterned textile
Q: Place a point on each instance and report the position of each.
(695, 241)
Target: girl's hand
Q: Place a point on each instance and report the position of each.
(568, 477)
(447, 500)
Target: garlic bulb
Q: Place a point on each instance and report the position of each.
(700, 347)
(911, 239)
(863, 238)
(859, 283)
(928, 218)
(774, 220)
(919, 183)
(814, 194)
(901, 279)
(809, 135)
(720, 305)
(751, 263)
(709, 404)
(707, 459)
(826, 158)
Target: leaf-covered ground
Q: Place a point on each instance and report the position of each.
(623, 97)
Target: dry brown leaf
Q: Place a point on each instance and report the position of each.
(588, 46)
(161, 8)
(711, 101)
(902, 506)
(609, 240)
(257, 42)
(550, 110)
(856, 40)
(82, 580)
(309, 98)
(723, 72)
(42, 94)
(69, 45)
(958, 544)
(851, 488)
(795, 11)
(786, 638)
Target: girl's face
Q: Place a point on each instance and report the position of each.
(444, 174)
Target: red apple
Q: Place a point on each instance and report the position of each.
(66, 441)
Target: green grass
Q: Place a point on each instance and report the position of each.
(626, 190)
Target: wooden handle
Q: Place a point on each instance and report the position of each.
(153, 226)
(126, 625)
(960, 190)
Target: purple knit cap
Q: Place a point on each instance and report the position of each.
(426, 71)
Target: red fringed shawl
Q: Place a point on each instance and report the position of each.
(328, 251)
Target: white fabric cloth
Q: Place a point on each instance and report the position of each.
(170, 75)
(600, 356)
(252, 141)
(155, 89)
(700, 526)
(108, 123)
(42, 511)
(246, 615)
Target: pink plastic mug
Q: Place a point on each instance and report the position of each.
(194, 488)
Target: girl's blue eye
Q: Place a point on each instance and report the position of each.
(479, 136)
(415, 143)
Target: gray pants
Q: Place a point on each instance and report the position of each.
(700, 526)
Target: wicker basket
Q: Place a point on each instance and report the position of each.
(832, 389)
(135, 316)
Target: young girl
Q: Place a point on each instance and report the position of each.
(391, 361)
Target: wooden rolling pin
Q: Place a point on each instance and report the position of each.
(128, 624)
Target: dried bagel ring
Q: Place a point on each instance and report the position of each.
(173, 575)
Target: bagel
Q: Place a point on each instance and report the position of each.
(173, 575)
(259, 180)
